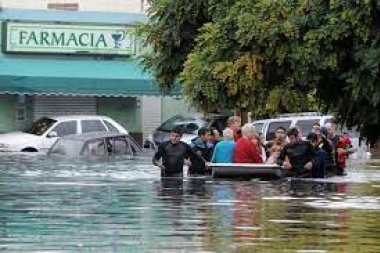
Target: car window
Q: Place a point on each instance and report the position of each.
(96, 148)
(67, 147)
(40, 126)
(259, 127)
(136, 149)
(305, 125)
(121, 146)
(65, 128)
(110, 126)
(92, 126)
(168, 125)
(328, 121)
(271, 132)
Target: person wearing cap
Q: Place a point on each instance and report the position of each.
(297, 156)
(245, 150)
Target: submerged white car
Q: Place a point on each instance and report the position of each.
(43, 133)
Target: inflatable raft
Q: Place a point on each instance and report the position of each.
(246, 170)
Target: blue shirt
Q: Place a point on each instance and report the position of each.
(223, 152)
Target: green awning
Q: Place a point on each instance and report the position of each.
(74, 77)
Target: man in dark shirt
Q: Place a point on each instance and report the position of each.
(171, 154)
(297, 155)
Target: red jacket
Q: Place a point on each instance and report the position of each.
(246, 152)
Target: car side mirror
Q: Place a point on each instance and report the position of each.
(52, 134)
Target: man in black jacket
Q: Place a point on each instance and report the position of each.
(297, 156)
(171, 155)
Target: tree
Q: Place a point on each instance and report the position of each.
(267, 56)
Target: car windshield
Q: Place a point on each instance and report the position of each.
(175, 121)
(67, 147)
(40, 126)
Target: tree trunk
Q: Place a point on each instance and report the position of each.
(243, 113)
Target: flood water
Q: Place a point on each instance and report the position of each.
(115, 205)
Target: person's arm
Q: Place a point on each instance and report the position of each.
(283, 159)
(213, 158)
(158, 156)
(311, 157)
(193, 153)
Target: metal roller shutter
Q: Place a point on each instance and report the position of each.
(151, 114)
(63, 105)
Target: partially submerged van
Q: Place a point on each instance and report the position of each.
(304, 121)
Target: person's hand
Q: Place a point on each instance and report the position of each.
(341, 151)
(187, 163)
(160, 165)
(308, 166)
(287, 165)
(207, 165)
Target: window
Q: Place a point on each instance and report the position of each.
(92, 126)
(121, 146)
(40, 126)
(271, 133)
(65, 128)
(306, 125)
(259, 127)
(168, 125)
(136, 149)
(96, 148)
(111, 127)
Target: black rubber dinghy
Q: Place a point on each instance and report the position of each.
(246, 170)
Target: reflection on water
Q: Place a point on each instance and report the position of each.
(116, 205)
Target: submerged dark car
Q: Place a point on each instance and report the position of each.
(96, 144)
(189, 124)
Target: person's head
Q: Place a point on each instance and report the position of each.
(204, 133)
(175, 135)
(248, 131)
(330, 130)
(299, 132)
(228, 134)
(313, 139)
(234, 122)
(315, 127)
(280, 133)
(214, 134)
(293, 134)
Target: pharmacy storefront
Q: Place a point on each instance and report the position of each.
(51, 68)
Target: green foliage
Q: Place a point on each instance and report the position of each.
(271, 56)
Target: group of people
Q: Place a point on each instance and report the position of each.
(322, 154)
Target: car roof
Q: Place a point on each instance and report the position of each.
(92, 135)
(290, 118)
(78, 117)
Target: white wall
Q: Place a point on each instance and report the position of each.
(84, 5)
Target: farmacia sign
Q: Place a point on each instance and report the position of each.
(68, 39)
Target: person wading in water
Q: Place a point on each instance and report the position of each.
(171, 155)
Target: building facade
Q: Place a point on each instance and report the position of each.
(74, 63)
(134, 6)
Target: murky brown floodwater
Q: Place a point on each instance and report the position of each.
(50, 205)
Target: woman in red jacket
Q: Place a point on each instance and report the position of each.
(245, 150)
